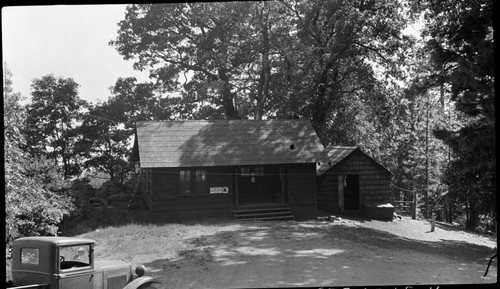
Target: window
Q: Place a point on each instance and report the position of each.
(201, 181)
(259, 171)
(74, 257)
(30, 256)
(245, 172)
(199, 184)
(252, 171)
(185, 182)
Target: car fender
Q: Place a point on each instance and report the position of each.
(141, 281)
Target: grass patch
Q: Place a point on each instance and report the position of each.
(143, 243)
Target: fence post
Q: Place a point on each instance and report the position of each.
(414, 205)
(433, 221)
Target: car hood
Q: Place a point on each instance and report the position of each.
(109, 265)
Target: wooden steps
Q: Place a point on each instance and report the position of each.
(263, 212)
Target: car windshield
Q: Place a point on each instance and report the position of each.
(74, 256)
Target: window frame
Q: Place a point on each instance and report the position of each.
(185, 182)
(73, 257)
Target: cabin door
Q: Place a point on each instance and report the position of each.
(351, 193)
(258, 184)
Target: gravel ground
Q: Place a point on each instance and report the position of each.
(421, 230)
(352, 252)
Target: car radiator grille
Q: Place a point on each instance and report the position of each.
(117, 282)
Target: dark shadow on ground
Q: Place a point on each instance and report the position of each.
(307, 244)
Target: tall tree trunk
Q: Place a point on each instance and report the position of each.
(227, 96)
(265, 75)
(473, 215)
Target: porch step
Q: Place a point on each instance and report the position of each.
(263, 212)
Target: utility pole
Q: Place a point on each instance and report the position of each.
(426, 214)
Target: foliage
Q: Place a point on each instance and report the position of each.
(327, 72)
(103, 146)
(461, 48)
(200, 38)
(35, 200)
(275, 59)
(107, 128)
(50, 121)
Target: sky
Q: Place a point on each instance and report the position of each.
(69, 41)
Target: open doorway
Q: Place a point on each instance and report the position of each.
(351, 193)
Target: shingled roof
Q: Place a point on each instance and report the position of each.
(226, 142)
(338, 153)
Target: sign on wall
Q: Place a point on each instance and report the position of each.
(219, 190)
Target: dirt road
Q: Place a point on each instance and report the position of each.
(356, 253)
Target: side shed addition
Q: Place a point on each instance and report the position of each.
(351, 180)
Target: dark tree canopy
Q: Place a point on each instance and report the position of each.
(35, 199)
(51, 115)
(461, 47)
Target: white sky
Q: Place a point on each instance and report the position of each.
(70, 41)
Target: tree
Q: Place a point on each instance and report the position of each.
(327, 70)
(107, 128)
(35, 201)
(206, 40)
(103, 144)
(460, 42)
(267, 59)
(51, 118)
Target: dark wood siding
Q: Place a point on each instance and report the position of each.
(295, 184)
(373, 181)
(301, 189)
(328, 199)
(166, 193)
(301, 184)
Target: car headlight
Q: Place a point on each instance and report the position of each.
(140, 270)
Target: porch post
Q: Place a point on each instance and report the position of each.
(340, 185)
(283, 180)
(236, 187)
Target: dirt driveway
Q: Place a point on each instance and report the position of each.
(313, 253)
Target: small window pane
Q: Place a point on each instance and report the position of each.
(185, 182)
(245, 172)
(201, 181)
(259, 171)
(29, 256)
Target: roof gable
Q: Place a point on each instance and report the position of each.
(227, 142)
(337, 154)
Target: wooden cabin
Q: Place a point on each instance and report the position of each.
(352, 180)
(228, 168)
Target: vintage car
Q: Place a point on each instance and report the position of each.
(68, 263)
